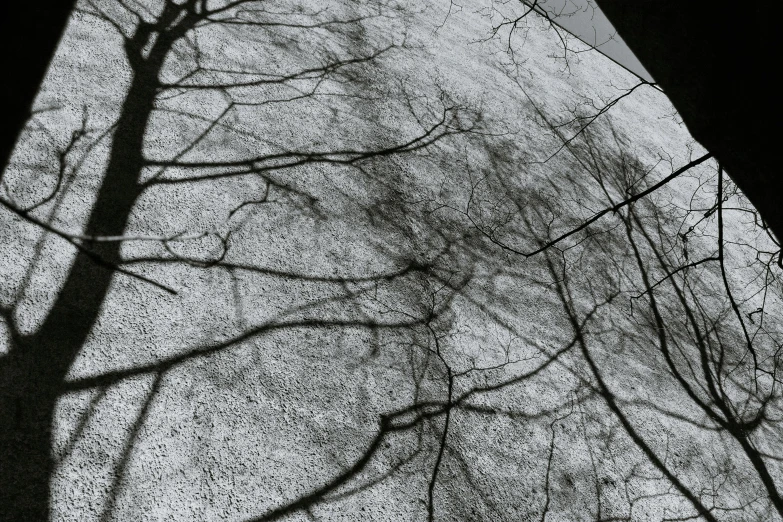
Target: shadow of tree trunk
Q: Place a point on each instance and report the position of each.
(32, 374)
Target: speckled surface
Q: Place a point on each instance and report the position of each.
(302, 373)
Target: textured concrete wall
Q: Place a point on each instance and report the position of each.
(332, 322)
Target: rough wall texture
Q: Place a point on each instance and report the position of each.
(320, 307)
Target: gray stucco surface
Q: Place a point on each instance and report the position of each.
(362, 292)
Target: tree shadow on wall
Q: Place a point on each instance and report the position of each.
(502, 417)
(33, 371)
(677, 327)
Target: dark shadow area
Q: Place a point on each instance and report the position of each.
(717, 67)
(30, 33)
